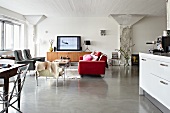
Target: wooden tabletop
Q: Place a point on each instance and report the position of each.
(12, 67)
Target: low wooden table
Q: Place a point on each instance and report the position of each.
(63, 63)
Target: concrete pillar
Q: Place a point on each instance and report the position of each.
(126, 22)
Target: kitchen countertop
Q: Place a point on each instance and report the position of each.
(162, 54)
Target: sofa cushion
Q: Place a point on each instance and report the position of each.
(41, 66)
(104, 58)
(92, 53)
(94, 58)
(48, 65)
(98, 54)
(101, 57)
(87, 57)
(45, 73)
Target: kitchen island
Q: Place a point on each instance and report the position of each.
(154, 80)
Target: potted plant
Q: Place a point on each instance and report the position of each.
(51, 43)
(125, 51)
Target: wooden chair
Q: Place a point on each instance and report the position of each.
(115, 57)
(14, 94)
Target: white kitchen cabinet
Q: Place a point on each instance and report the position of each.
(144, 70)
(161, 90)
(161, 69)
(155, 77)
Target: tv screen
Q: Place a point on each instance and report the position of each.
(68, 43)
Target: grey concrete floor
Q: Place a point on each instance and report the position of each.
(117, 92)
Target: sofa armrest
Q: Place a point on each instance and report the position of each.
(25, 61)
(104, 58)
(31, 62)
(39, 58)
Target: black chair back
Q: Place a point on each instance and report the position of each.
(27, 54)
(18, 55)
(20, 60)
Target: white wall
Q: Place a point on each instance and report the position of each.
(168, 15)
(147, 29)
(86, 27)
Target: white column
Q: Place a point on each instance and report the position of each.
(126, 21)
(126, 40)
(34, 20)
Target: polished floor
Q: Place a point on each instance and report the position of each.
(117, 92)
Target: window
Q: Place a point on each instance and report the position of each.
(10, 35)
(16, 36)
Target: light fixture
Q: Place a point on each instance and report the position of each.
(103, 32)
(87, 42)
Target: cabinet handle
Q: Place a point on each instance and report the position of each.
(144, 59)
(164, 65)
(163, 82)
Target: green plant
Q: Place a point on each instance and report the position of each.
(125, 51)
(51, 42)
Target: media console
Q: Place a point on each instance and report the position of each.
(74, 56)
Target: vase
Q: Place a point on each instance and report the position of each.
(51, 49)
(126, 62)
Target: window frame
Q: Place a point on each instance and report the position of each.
(3, 33)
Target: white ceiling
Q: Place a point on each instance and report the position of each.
(85, 8)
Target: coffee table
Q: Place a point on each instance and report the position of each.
(63, 63)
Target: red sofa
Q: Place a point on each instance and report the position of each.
(93, 67)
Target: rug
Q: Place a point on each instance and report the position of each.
(72, 74)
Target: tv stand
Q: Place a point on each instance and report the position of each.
(73, 55)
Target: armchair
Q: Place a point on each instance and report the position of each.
(93, 67)
(48, 69)
(28, 56)
(20, 60)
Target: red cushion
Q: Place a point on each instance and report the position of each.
(103, 57)
(98, 54)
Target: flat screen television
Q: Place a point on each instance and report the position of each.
(69, 43)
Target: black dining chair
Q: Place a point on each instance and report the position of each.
(27, 55)
(15, 94)
(20, 60)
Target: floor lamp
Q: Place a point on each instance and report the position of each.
(87, 42)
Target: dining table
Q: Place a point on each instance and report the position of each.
(6, 73)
